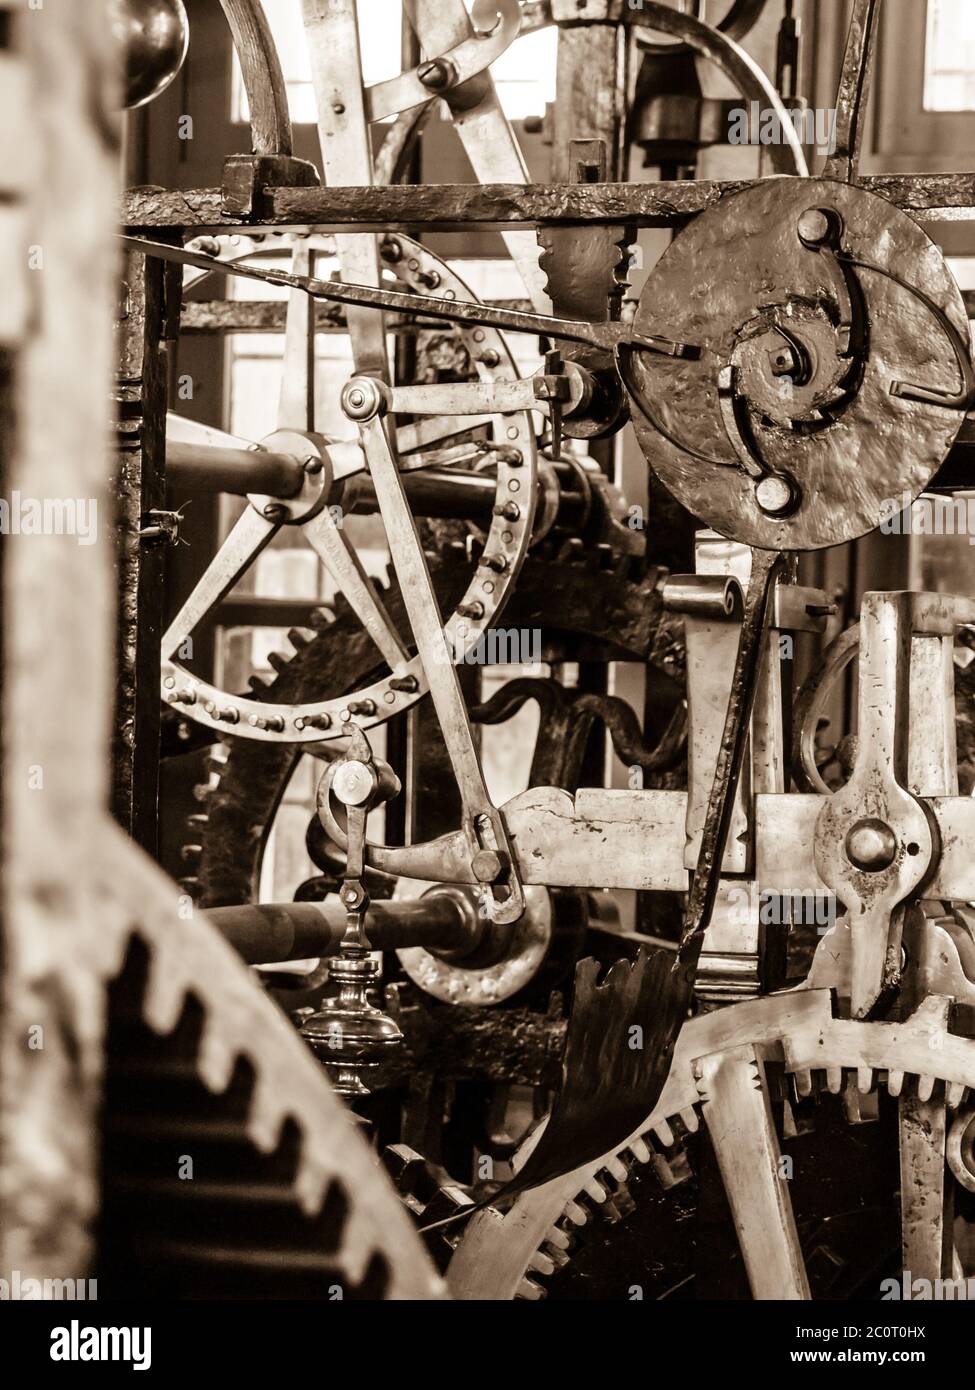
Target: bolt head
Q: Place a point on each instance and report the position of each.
(775, 495)
(362, 398)
(437, 75)
(814, 225)
(486, 865)
(353, 783)
(871, 845)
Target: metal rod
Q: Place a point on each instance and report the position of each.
(210, 468)
(436, 492)
(271, 932)
(601, 335)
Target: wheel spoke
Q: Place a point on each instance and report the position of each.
(248, 537)
(342, 562)
(483, 826)
(333, 48)
(739, 1118)
(296, 404)
(180, 430)
(926, 1224)
(410, 439)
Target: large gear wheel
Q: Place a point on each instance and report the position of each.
(720, 1071)
(608, 605)
(229, 1167)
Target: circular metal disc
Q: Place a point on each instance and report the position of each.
(734, 261)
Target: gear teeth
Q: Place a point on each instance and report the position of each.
(925, 1088)
(190, 854)
(664, 1133)
(426, 1200)
(217, 761)
(529, 1291)
(197, 822)
(663, 1172)
(803, 1080)
(300, 637)
(834, 1080)
(895, 1082)
(258, 684)
(556, 1254)
(623, 1203)
(865, 1079)
(278, 661)
(595, 1190)
(690, 1120)
(639, 1151)
(321, 618)
(557, 1240)
(541, 1263)
(192, 886)
(617, 1168)
(575, 1213)
(955, 1095)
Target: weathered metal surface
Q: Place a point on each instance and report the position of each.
(736, 1107)
(69, 916)
(854, 87)
(608, 1083)
(926, 1208)
(360, 297)
(866, 449)
(264, 83)
(872, 879)
(497, 1251)
(463, 207)
(268, 316)
(140, 402)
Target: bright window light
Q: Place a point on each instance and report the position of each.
(949, 56)
(524, 75)
(380, 29)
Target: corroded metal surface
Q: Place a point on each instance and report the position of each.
(463, 206)
(879, 446)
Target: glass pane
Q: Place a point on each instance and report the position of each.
(524, 75)
(380, 23)
(949, 56)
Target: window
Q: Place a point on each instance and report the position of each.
(949, 56)
(380, 30)
(524, 75)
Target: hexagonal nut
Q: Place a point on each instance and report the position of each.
(488, 865)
